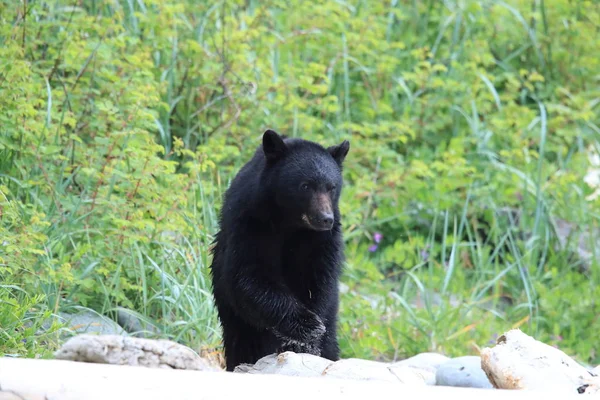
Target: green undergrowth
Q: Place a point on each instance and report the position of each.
(470, 122)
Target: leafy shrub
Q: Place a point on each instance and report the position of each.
(122, 122)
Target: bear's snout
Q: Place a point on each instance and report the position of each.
(319, 221)
(320, 216)
(323, 221)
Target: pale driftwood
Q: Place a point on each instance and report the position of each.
(288, 363)
(308, 365)
(67, 380)
(123, 350)
(19, 396)
(358, 369)
(518, 361)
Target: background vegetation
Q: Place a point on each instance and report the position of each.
(122, 122)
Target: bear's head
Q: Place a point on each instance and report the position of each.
(304, 180)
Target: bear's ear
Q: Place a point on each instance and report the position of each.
(339, 152)
(273, 145)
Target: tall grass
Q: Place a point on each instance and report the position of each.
(461, 155)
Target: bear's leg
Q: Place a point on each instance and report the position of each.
(329, 344)
(245, 344)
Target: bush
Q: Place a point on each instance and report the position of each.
(122, 123)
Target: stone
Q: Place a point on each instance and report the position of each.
(462, 372)
(308, 365)
(287, 363)
(134, 325)
(580, 240)
(424, 361)
(518, 361)
(366, 370)
(85, 321)
(123, 350)
(91, 322)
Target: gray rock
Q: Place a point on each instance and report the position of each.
(581, 241)
(91, 322)
(122, 350)
(520, 362)
(462, 372)
(84, 321)
(425, 361)
(134, 325)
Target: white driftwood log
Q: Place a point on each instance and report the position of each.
(123, 350)
(308, 365)
(518, 361)
(31, 379)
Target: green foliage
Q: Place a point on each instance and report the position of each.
(21, 318)
(122, 122)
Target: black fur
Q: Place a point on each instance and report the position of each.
(279, 252)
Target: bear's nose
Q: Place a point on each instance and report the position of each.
(327, 219)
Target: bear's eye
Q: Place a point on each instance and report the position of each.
(331, 188)
(304, 186)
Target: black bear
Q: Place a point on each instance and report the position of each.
(278, 255)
